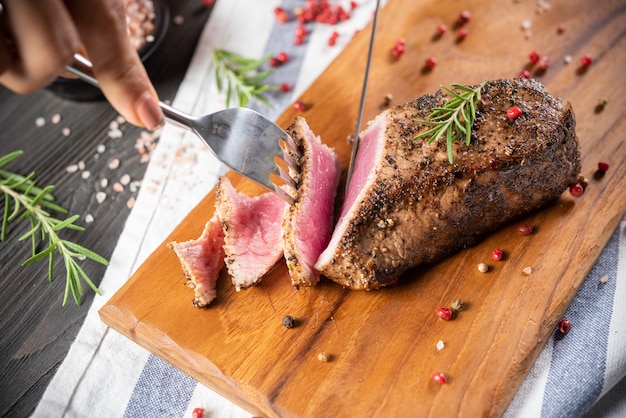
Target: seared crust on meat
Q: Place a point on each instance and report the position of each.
(419, 208)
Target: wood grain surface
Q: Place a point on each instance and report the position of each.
(36, 332)
(382, 344)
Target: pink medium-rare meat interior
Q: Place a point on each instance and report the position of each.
(308, 224)
(202, 260)
(252, 232)
(362, 174)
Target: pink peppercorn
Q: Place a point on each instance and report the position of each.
(431, 62)
(332, 40)
(525, 229)
(514, 112)
(497, 254)
(444, 313)
(534, 57)
(564, 326)
(524, 74)
(602, 166)
(463, 33)
(300, 31)
(441, 29)
(439, 377)
(299, 106)
(281, 15)
(465, 16)
(544, 63)
(285, 87)
(398, 49)
(586, 61)
(282, 57)
(576, 189)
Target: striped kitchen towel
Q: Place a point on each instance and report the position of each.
(107, 375)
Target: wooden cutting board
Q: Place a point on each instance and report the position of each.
(382, 344)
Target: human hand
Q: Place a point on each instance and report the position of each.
(38, 39)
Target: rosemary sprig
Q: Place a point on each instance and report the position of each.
(23, 200)
(241, 77)
(455, 118)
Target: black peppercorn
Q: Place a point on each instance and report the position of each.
(288, 321)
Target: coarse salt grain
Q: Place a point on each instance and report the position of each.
(114, 133)
(100, 148)
(89, 218)
(114, 163)
(440, 345)
(567, 59)
(178, 20)
(130, 202)
(104, 182)
(134, 186)
(81, 165)
(117, 187)
(66, 131)
(125, 179)
(40, 122)
(56, 118)
(72, 168)
(323, 357)
(100, 197)
(85, 175)
(139, 21)
(604, 278)
(527, 271)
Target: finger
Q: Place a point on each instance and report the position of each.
(116, 64)
(42, 41)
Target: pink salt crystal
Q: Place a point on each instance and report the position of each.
(114, 163)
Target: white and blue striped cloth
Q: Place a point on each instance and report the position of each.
(107, 375)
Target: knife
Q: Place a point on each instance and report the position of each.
(355, 143)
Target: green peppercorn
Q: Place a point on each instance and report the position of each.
(457, 305)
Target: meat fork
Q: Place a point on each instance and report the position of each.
(243, 139)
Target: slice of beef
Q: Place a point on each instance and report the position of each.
(252, 232)
(308, 223)
(406, 203)
(202, 259)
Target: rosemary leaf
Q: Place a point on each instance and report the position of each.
(455, 118)
(241, 77)
(23, 200)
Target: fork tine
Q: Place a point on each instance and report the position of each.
(286, 177)
(285, 182)
(284, 195)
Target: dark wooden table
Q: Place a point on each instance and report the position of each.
(36, 332)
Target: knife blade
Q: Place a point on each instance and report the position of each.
(355, 143)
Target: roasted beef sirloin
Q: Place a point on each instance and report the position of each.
(407, 205)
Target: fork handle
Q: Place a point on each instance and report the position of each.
(83, 69)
